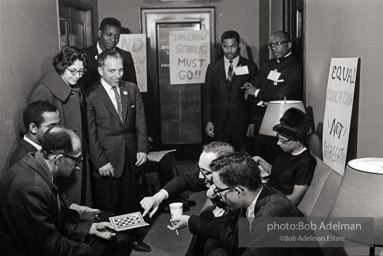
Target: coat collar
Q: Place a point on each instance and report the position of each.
(59, 88)
(30, 160)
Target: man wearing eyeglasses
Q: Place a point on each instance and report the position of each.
(278, 79)
(199, 180)
(33, 218)
(237, 183)
(38, 117)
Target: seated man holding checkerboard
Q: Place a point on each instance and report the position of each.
(33, 218)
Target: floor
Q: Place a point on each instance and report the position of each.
(162, 240)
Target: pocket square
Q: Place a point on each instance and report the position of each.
(133, 106)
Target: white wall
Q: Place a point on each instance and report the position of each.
(241, 16)
(348, 28)
(29, 39)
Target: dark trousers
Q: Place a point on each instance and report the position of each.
(118, 195)
(236, 137)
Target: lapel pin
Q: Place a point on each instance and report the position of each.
(125, 92)
(96, 57)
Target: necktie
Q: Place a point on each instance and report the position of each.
(250, 216)
(118, 99)
(230, 72)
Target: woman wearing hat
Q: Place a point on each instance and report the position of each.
(292, 171)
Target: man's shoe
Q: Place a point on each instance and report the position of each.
(140, 246)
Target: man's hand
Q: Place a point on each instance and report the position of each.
(209, 130)
(141, 158)
(85, 212)
(218, 212)
(250, 89)
(250, 130)
(152, 203)
(106, 171)
(103, 230)
(179, 222)
(82, 208)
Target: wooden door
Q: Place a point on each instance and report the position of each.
(75, 24)
(174, 111)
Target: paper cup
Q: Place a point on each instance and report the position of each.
(176, 209)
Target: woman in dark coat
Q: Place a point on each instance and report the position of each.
(61, 89)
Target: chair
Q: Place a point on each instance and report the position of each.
(321, 194)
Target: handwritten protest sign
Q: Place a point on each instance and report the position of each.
(136, 45)
(337, 116)
(189, 56)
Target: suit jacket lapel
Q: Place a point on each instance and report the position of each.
(104, 98)
(124, 100)
(221, 69)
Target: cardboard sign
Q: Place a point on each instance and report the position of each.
(189, 56)
(136, 45)
(337, 116)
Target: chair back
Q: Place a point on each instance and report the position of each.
(322, 192)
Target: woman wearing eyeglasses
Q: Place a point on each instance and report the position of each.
(61, 89)
(292, 171)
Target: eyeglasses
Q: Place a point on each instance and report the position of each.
(77, 160)
(277, 44)
(74, 71)
(205, 173)
(283, 141)
(218, 191)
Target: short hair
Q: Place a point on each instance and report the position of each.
(230, 34)
(238, 169)
(34, 112)
(66, 57)
(284, 34)
(219, 148)
(105, 54)
(110, 21)
(58, 140)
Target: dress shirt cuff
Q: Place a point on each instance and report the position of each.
(164, 193)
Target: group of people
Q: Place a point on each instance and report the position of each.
(235, 93)
(236, 189)
(84, 127)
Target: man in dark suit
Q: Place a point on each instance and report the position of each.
(199, 180)
(227, 115)
(237, 183)
(37, 118)
(278, 79)
(118, 139)
(109, 36)
(33, 218)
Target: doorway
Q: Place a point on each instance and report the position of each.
(75, 23)
(173, 111)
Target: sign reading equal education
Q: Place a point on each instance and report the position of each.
(136, 45)
(337, 116)
(189, 56)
